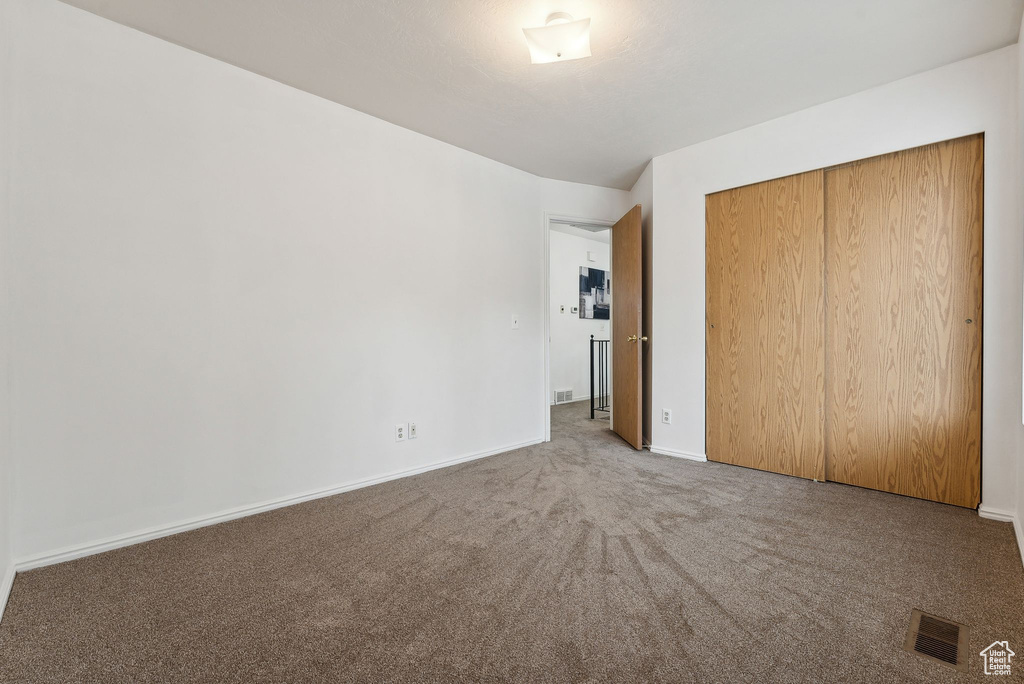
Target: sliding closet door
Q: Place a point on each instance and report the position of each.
(765, 326)
(904, 276)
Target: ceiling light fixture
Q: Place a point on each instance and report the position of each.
(560, 39)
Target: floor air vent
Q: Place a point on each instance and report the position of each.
(937, 639)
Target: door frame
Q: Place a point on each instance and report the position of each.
(550, 217)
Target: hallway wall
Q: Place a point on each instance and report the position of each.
(570, 335)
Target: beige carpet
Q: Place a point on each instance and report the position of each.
(577, 560)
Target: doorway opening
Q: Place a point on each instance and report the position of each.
(591, 288)
(578, 323)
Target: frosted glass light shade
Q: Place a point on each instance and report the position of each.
(559, 41)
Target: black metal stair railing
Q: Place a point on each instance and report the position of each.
(599, 386)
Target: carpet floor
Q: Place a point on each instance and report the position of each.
(576, 560)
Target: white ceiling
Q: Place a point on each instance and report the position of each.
(596, 233)
(665, 73)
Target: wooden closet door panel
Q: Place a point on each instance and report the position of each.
(796, 293)
(765, 353)
(904, 276)
(737, 329)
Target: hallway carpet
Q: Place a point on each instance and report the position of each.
(577, 560)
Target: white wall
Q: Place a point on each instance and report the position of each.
(6, 489)
(1019, 521)
(974, 95)
(570, 335)
(642, 193)
(226, 291)
(582, 201)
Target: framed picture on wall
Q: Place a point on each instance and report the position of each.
(595, 293)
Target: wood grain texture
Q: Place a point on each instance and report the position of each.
(904, 276)
(627, 313)
(765, 326)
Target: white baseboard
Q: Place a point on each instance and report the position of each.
(1006, 516)
(148, 534)
(665, 451)
(5, 588)
(996, 514)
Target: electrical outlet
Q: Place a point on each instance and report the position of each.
(666, 416)
(400, 431)
(412, 430)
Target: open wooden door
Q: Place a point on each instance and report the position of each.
(627, 340)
